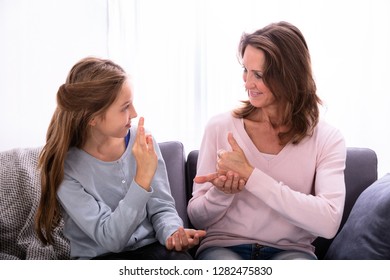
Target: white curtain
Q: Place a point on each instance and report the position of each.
(40, 41)
(182, 54)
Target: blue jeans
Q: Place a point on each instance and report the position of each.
(252, 252)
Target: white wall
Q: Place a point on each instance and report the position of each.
(40, 41)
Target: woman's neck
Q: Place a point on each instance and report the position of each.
(270, 116)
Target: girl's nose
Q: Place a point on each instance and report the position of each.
(133, 113)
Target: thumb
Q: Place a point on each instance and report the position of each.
(233, 143)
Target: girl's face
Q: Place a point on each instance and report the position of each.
(259, 94)
(117, 119)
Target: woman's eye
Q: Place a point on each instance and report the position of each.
(258, 76)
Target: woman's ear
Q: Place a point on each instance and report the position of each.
(92, 122)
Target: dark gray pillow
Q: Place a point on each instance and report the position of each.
(366, 233)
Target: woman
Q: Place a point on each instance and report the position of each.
(270, 176)
(106, 177)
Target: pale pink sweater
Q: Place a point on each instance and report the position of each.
(288, 200)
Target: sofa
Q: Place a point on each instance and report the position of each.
(20, 191)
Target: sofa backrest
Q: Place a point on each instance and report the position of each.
(175, 160)
(360, 172)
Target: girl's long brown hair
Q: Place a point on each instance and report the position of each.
(288, 74)
(91, 87)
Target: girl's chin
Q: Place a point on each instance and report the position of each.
(124, 133)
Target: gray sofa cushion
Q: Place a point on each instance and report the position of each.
(19, 198)
(366, 234)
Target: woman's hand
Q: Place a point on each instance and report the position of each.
(233, 170)
(184, 239)
(234, 160)
(230, 183)
(145, 157)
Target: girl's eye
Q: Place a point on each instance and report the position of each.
(244, 69)
(126, 107)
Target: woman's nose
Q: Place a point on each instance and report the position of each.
(248, 83)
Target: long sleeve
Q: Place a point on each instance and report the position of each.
(320, 211)
(108, 228)
(208, 205)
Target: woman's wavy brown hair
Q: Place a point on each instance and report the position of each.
(91, 87)
(287, 73)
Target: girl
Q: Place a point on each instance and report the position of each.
(106, 178)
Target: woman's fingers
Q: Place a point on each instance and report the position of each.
(205, 178)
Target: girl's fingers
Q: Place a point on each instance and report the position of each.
(141, 132)
(169, 243)
(183, 238)
(141, 122)
(178, 246)
(149, 143)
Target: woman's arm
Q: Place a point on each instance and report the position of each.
(209, 204)
(319, 212)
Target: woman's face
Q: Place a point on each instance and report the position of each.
(259, 94)
(117, 119)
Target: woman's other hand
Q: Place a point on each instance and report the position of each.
(229, 183)
(233, 169)
(234, 160)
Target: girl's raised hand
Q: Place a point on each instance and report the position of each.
(145, 157)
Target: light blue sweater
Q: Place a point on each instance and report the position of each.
(105, 210)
